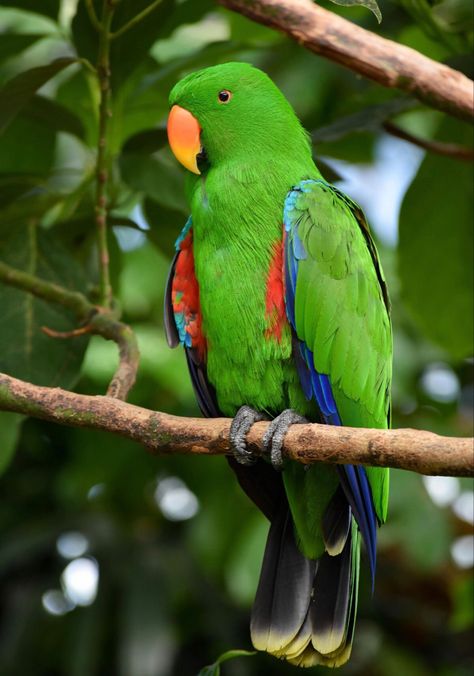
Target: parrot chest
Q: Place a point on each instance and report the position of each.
(238, 266)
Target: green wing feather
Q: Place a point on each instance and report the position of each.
(342, 312)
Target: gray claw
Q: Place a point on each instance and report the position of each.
(276, 432)
(241, 424)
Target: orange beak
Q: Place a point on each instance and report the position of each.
(184, 137)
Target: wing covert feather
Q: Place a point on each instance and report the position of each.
(341, 309)
(338, 307)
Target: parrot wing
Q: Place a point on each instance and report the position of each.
(182, 320)
(337, 305)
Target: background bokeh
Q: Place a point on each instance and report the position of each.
(113, 561)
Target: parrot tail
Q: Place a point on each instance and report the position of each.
(304, 610)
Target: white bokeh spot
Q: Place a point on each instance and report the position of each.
(175, 500)
(443, 490)
(462, 551)
(80, 581)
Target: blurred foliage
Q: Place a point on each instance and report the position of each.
(174, 593)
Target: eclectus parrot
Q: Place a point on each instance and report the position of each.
(277, 295)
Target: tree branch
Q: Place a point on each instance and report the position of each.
(384, 61)
(94, 320)
(438, 147)
(413, 450)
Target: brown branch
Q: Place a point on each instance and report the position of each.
(438, 147)
(384, 61)
(414, 450)
(97, 320)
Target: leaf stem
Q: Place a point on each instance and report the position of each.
(102, 172)
(135, 20)
(92, 15)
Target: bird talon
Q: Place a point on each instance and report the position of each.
(241, 424)
(276, 433)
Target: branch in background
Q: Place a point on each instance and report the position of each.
(417, 451)
(92, 15)
(94, 320)
(448, 149)
(102, 171)
(136, 19)
(384, 61)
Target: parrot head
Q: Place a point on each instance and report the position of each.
(231, 112)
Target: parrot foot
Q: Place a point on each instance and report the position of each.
(276, 432)
(241, 424)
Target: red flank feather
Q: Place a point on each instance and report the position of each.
(275, 295)
(185, 295)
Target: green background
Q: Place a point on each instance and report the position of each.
(174, 594)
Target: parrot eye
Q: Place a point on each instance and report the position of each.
(224, 96)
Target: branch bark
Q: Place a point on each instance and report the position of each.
(384, 61)
(414, 450)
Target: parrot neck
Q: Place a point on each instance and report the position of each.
(245, 196)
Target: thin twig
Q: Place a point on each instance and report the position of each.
(100, 322)
(448, 149)
(73, 300)
(384, 61)
(102, 172)
(413, 450)
(63, 335)
(135, 20)
(92, 15)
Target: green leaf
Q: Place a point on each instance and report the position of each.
(33, 204)
(147, 141)
(18, 91)
(187, 12)
(12, 44)
(26, 147)
(165, 226)
(13, 186)
(448, 22)
(46, 7)
(436, 243)
(79, 95)
(369, 4)
(127, 51)
(54, 115)
(215, 668)
(454, 16)
(25, 351)
(158, 176)
(9, 432)
(370, 118)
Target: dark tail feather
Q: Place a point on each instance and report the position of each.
(331, 597)
(336, 523)
(304, 610)
(284, 590)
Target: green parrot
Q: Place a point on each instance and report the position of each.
(278, 297)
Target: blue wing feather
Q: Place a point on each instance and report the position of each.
(317, 386)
